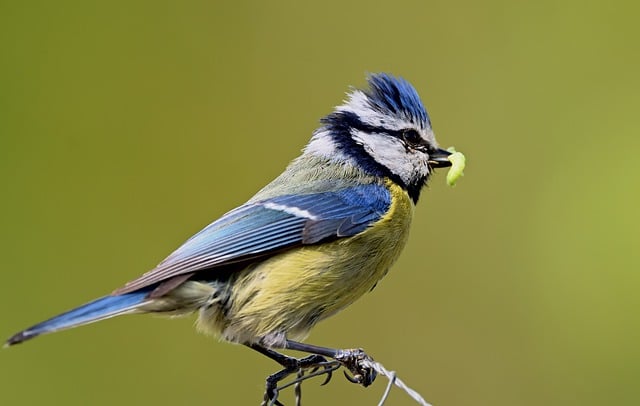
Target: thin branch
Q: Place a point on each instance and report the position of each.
(394, 380)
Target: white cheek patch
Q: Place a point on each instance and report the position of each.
(391, 153)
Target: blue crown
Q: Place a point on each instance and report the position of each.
(391, 95)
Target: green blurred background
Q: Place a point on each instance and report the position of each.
(127, 126)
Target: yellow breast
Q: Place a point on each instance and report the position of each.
(290, 292)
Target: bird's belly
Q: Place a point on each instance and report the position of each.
(287, 294)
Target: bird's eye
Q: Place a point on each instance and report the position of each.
(412, 137)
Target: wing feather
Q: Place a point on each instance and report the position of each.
(266, 227)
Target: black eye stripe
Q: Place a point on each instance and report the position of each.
(409, 136)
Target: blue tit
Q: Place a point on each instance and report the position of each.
(307, 245)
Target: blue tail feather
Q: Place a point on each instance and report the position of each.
(99, 309)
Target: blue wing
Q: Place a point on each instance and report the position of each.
(269, 226)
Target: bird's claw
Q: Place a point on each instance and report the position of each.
(350, 378)
(329, 372)
(291, 366)
(354, 360)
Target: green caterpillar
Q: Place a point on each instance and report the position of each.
(458, 161)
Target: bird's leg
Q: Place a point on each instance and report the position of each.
(291, 365)
(351, 359)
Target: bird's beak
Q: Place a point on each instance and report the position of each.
(439, 158)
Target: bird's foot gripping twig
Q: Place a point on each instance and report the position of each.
(362, 367)
(356, 361)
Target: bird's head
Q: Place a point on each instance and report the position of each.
(385, 130)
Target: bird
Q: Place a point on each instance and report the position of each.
(304, 247)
